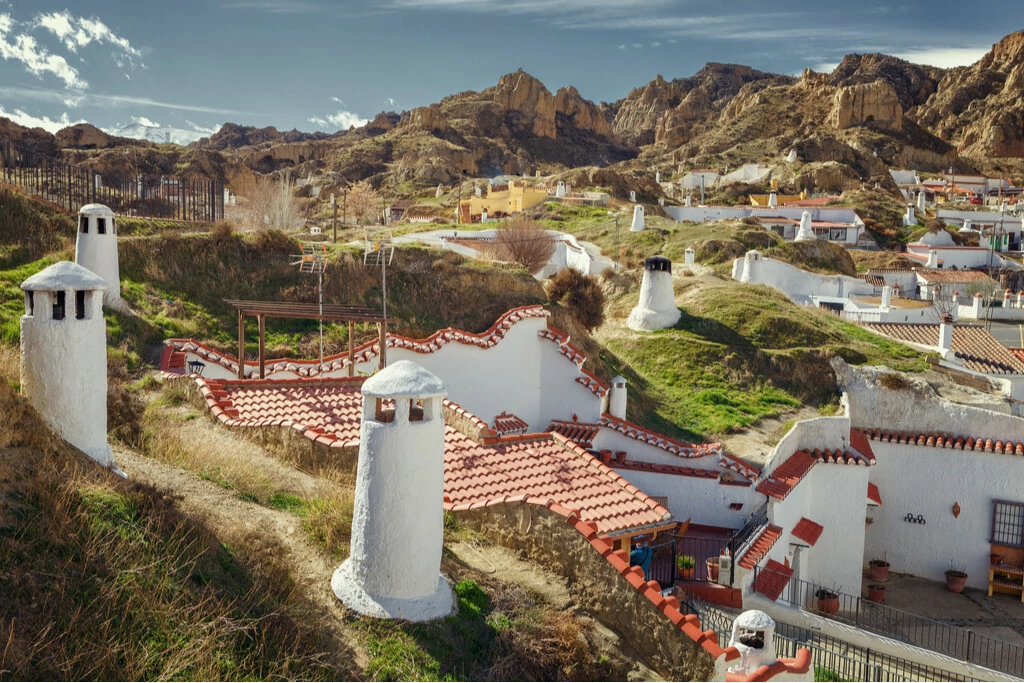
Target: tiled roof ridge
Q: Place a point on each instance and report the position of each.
(674, 470)
(619, 559)
(739, 466)
(759, 546)
(589, 379)
(668, 444)
(370, 349)
(978, 444)
(621, 481)
(973, 344)
(485, 430)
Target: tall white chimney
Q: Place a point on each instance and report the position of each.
(886, 296)
(805, 232)
(922, 201)
(657, 308)
(638, 219)
(946, 334)
(617, 399)
(933, 259)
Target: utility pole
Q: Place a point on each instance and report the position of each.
(702, 189)
(344, 205)
(616, 241)
(334, 205)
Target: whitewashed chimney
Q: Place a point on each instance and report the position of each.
(394, 569)
(978, 306)
(791, 157)
(933, 259)
(440, 191)
(483, 215)
(689, 256)
(805, 232)
(657, 308)
(632, 195)
(661, 201)
(946, 333)
(753, 635)
(689, 200)
(638, 219)
(1007, 295)
(773, 199)
(617, 400)
(64, 356)
(560, 189)
(922, 202)
(886, 296)
(96, 250)
(657, 176)
(909, 218)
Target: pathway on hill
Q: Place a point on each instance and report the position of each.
(266, 531)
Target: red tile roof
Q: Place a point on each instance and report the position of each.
(507, 423)
(807, 531)
(788, 474)
(811, 201)
(582, 433)
(937, 275)
(545, 467)
(679, 448)
(760, 547)
(973, 344)
(772, 580)
(741, 467)
(643, 466)
(939, 440)
(873, 495)
(1017, 353)
(923, 258)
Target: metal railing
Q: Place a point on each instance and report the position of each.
(663, 564)
(747, 533)
(905, 627)
(700, 549)
(833, 659)
(29, 167)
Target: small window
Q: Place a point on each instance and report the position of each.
(84, 224)
(415, 411)
(30, 303)
(101, 226)
(113, 227)
(58, 306)
(80, 304)
(1008, 523)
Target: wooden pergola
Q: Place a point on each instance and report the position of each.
(326, 312)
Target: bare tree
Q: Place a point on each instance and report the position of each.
(363, 202)
(272, 205)
(524, 242)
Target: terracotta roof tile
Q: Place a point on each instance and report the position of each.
(679, 448)
(760, 546)
(773, 580)
(949, 440)
(807, 531)
(582, 433)
(873, 494)
(787, 475)
(973, 344)
(507, 423)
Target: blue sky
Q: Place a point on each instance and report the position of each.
(318, 65)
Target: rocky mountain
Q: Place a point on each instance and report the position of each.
(234, 136)
(141, 128)
(980, 108)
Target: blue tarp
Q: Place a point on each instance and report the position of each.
(641, 557)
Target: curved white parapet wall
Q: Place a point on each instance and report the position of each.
(97, 251)
(657, 308)
(799, 285)
(394, 568)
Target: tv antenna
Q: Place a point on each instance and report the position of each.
(313, 260)
(379, 250)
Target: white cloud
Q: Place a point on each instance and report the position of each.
(823, 67)
(78, 32)
(945, 58)
(342, 120)
(338, 100)
(23, 118)
(75, 98)
(39, 61)
(544, 7)
(390, 101)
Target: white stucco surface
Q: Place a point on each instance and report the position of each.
(796, 283)
(98, 252)
(393, 570)
(657, 308)
(699, 499)
(64, 362)
(638, 219)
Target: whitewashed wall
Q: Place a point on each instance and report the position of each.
(796, 283)
(928, 481)
(702, 501)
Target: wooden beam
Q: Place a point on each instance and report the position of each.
(241, 345)
(351, 343)
(263, 345)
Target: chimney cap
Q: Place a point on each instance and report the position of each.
(404, 379)
(947, 318)
(658, 263)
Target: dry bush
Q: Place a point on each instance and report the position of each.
(328, 519)
(893, 381)
(125, 406)
(580, 294)
(272, 205)
(524, 242)
(363, 203)
(10, 363)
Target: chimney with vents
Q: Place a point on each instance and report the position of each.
(909, 218)
(946, 334)
(560, 189)
(657, 308)
(394, 568)
(1020, 299)
(921, 201)
(1006, 299)
(979, 304)
(886, 296)
(617, 398)
(638, 219)
(688, 256)
(806, 232)
(933, 259)
(96, 250)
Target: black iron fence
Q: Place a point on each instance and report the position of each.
(833, 659)
(890, 622)
(663, 564)
(127, 192)
(700, 550)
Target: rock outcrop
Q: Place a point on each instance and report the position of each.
(980, 108)
(82, 136)
(526, 95)
(428, 118)
(582, 113)
(870, 102)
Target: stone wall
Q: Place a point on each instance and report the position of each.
(546, 537)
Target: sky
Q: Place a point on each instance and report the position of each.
(321, 65)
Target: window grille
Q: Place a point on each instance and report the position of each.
(1008, 523)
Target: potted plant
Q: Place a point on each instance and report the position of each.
(712, 565)
(878, 570)
(876, 592)
(828, 601)
(956, 578)
(994, 558)
(685, 565)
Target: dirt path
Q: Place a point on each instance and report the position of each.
(264, 529)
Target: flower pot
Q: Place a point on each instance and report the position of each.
(876, 593)
(685, 574)
(712, 564)
(956, 581)
(994, 558)
(878, 570)
(829, 606)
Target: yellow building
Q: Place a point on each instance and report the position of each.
(500, 202)
(764, 199)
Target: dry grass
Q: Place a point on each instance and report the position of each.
(105, 579)
(525, 242)
(10, 364)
